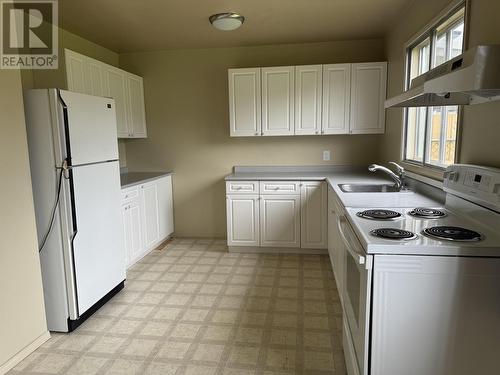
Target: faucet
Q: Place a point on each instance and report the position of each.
(399, 177)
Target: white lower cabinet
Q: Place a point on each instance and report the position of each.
(283, 215)
(243, 220)
(280, 220)
(147, 217)
(313, 195)
(335, 244)
(149, 196)
(132, 221)
(166, 206)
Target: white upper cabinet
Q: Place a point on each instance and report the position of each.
(95, 80)
(116, 88)
(308, 82)
(93, 77)
(368, 93)
(308, 100)
(136, 107)
(278, 101)
(75, 72)
(336, 98)
(244, 102)
(314, 215)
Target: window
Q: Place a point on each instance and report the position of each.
(431, 132)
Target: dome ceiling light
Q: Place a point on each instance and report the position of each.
(226, 21)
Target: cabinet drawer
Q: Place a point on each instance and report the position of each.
(130, 193)
(242, 187)
(280, 187)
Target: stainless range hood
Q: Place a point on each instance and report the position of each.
(470, 78)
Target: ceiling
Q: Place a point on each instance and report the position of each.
(144, 25)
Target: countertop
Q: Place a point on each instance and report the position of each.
(129, 179)
(338, 175)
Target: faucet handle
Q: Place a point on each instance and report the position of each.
(399, 168)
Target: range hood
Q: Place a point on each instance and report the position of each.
(470, 78)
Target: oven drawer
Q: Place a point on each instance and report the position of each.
(356, 290)
(242, 187)
(280, 187)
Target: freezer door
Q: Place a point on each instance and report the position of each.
(99, 244)
(90, 128)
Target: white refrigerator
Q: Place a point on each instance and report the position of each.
(83, 259)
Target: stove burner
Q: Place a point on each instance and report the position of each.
(427, 213)
(379, 214)
(393, 234)
(453, 233)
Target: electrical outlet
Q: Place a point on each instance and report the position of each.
(326, 155)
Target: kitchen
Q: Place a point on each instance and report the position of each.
(186, 110)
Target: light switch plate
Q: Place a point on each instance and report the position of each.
(326, 155)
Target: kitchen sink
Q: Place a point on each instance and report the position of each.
(363, 188)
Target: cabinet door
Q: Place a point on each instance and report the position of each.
(95, 77)
(165, 207)
(336, 98)
(132, 221)
(331, 229)
(135, 105)
(242, 220)
(280, 220)
(75, 72)
(116, 88)
(308, 94)
(368, 93)
(149, 196)
(278, 101)
(244, 102)
(335, 244)
(313, 215)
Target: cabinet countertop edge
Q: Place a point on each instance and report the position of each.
(342, 175)
(130, 179)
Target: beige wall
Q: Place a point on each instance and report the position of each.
(188, 126)
(480, 129)
(22, 314)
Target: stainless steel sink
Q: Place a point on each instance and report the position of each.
(363, 188)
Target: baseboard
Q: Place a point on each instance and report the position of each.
(24, 352)
(276, 250)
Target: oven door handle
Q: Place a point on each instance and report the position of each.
(360, 259)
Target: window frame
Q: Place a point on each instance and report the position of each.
(430, 32)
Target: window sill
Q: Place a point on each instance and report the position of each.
(426, 172)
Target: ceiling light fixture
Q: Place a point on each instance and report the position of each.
(226, 21)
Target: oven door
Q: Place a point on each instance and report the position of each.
(356, 294)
